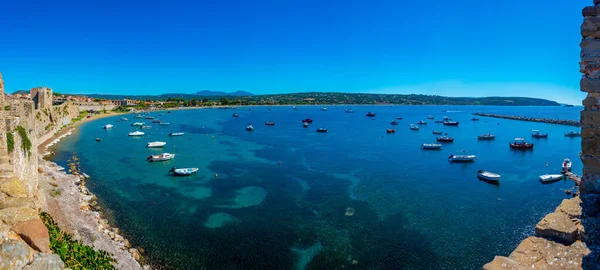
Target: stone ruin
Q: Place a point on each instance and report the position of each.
(42, 97)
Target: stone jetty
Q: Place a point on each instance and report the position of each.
(532, 119)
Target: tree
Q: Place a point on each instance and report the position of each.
(224, 101)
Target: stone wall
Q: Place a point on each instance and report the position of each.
(42, 97)
(94, 106)
(590, 83)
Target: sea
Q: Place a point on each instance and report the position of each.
(356, 197)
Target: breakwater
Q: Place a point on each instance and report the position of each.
(532, 119)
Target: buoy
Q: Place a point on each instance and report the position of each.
(546, 164)
(216, 175)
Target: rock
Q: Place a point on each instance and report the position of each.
(35, 233)
(111, 235)
(590, 27)
(557, 226)
(46, 261)
(596, 2)
(539, 253)
(571, 207)
(14, 254)
(501, 262)
(14, 215)
(126, 243)
(135, 254)
(589, 85)
(590, 11)
(13, 187)
(119, 238)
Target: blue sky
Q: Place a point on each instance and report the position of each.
(455, 48)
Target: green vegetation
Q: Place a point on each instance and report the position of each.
(74, 253)
(82, 114)
(55, 192)
(25, 142)
(7, 108)
(10, 141)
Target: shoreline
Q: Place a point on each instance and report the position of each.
(75, 208)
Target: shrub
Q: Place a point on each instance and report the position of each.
(10, 141)
(74, 253)
(25, 142)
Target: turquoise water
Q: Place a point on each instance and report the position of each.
(413, 209)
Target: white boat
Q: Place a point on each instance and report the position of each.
(305, 124)
(431, 146)
(124, 119)
(566, 166)
(537, 134)
(413, 127)
(137, 124)
(176, 134)
(547, 178)
(139, 116)
(573, 133)
(164, 124)
(136, 133)
(161, 157)
(146, 127)
(323, 109)
(461, 158)
(489, 176)
(155, 144)
(294, 107)
(183, 171)
(250, 127)
(488, 136)
(109, 126)
(422, 122)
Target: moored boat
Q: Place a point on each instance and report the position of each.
(474, 119)
(422, 122)
(270, 123)
(146, 127)
(161, 157)
(398, 118)
(390, 131)
(139, 116)
(136, 133)
(520, 143)
(305, 124)
(547, 178)
(573, 133)
(436, 132)
(124, 119)
(450, 123)
(444, 138)
(294, 107)
(235, 115)
(164, 123)
(109, 126)
(183, 171)
(537, 134)
(249, 127)
(431, 146)
(566, 166)
(429, 117)
(488, 176)
(414, 127)
(488, 136)
(176, 134)
(462, 158)
(322, 130)
(307, 120)
(370, 114)
(155, 144)
(149, 117)
(98, 139)
(137, 124)
(323, 109)
(348, 111)
(156, 121)
(394, 123)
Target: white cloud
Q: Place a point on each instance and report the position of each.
(553, 92)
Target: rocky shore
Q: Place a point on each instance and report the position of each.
(532, 119)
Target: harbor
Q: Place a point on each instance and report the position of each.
(573, 123)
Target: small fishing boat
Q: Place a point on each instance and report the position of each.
(414, 127)
(422, 122)
(566, 166)
(450, 123)
(305, 124)
(156, 121)
(137, 124)
(474, 119)
(124, 119)
(146, 127)
(183, 171)
(109, 126)
(307, 120)
(394, 123)
(98, 139)
(323, 109)
(431, 146)
(156, 144)
(548, 178)
(139, 116)
(444, 138)
(573, 133)
(149, 117)
(348, 111)
(164, 123)
(136, 133)
(321, 130)
(235, 115)
(176, 134)
(521, 144)
(270, 123)
(436, 132)
(161, 157)
(294, 107)
(488, 136)
(537, 134)
(429, 117)
(249, 127)
(398, 118)
(462, 158)
(370, 114)
(488, 176)
(390, 131)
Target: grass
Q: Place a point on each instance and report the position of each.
(55, 192)
(10, 142)
(25, 142)
(74, 253)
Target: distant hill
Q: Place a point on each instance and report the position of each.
(208, 93)
(21, 92)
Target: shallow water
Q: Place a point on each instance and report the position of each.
(413, 209)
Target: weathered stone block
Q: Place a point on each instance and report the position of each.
(590, 118)
(557, 226)
(35, 233)
(590, 180)
(571, 207)
(46, 261)
(14, 215)
(590, 27)
(13, 187)
(590, 11)
(502, 263)
(14, 254)
(589, 85)
(539, 253)
(590, 145)
(592, 102)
